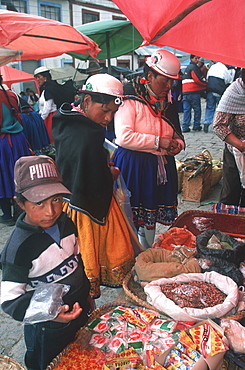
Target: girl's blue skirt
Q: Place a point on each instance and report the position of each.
(12, 147)
(150, 202)
(36, 133)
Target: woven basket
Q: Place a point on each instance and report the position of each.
(233, 225)
(83, 335)
(180, 180)
(217, 172)
(7, 363)
(217, 169)
(135, 293)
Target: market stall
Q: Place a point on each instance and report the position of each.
(190, 320)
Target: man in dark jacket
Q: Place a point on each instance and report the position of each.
(193, 84)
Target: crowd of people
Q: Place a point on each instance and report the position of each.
(72, 229)
(198, 82)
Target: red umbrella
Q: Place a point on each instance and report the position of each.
(40, 37)
(11, 75)
(212, 29)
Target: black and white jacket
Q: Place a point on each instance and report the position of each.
(31, 256)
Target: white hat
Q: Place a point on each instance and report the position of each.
(165, 63)
(40, 70)
(103, 83)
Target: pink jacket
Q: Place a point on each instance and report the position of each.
(136, 128)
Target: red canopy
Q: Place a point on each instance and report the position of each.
(212, 29)
(40, 37)
(12, 75)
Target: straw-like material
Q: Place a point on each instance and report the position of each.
(135, 292)
(7, 363)
(238, 316)
(83, 335)
(217, 173)
(180, 174)
(217, 170)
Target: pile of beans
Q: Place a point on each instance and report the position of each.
(196, 294)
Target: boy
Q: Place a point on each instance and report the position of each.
(43, 248)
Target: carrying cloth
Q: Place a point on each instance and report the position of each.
(77, 138)
(9, 109)
(233, 99)
(59, 93)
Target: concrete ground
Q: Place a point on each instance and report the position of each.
(11, 332)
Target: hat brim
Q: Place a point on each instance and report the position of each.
(160, 72)
(100, 93)
(42, 192)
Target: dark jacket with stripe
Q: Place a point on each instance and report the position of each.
(31, 256)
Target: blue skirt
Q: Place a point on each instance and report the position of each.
(36, 133)
(12, 147)
(150, 202)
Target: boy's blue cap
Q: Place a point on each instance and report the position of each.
(37, 178)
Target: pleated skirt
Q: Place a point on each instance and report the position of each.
(107, 250)
(36, 133)
(12, 147)
(150, 202)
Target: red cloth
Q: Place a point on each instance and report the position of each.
(48, 124)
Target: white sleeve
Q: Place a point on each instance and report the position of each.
(47, 108)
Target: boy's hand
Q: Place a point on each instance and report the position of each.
(65, 316)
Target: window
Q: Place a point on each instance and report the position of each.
(123, 63)
(16, 5)
(117, 18)
(89, 16)
(50, 12)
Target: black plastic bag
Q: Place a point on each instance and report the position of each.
(234, 255)
(223, 267)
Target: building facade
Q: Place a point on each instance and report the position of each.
(74, 13)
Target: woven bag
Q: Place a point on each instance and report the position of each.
(7, 363)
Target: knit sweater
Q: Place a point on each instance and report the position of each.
(31, 256)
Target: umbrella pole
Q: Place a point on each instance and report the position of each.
(108, 51)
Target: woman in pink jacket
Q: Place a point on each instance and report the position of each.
(149, 136)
